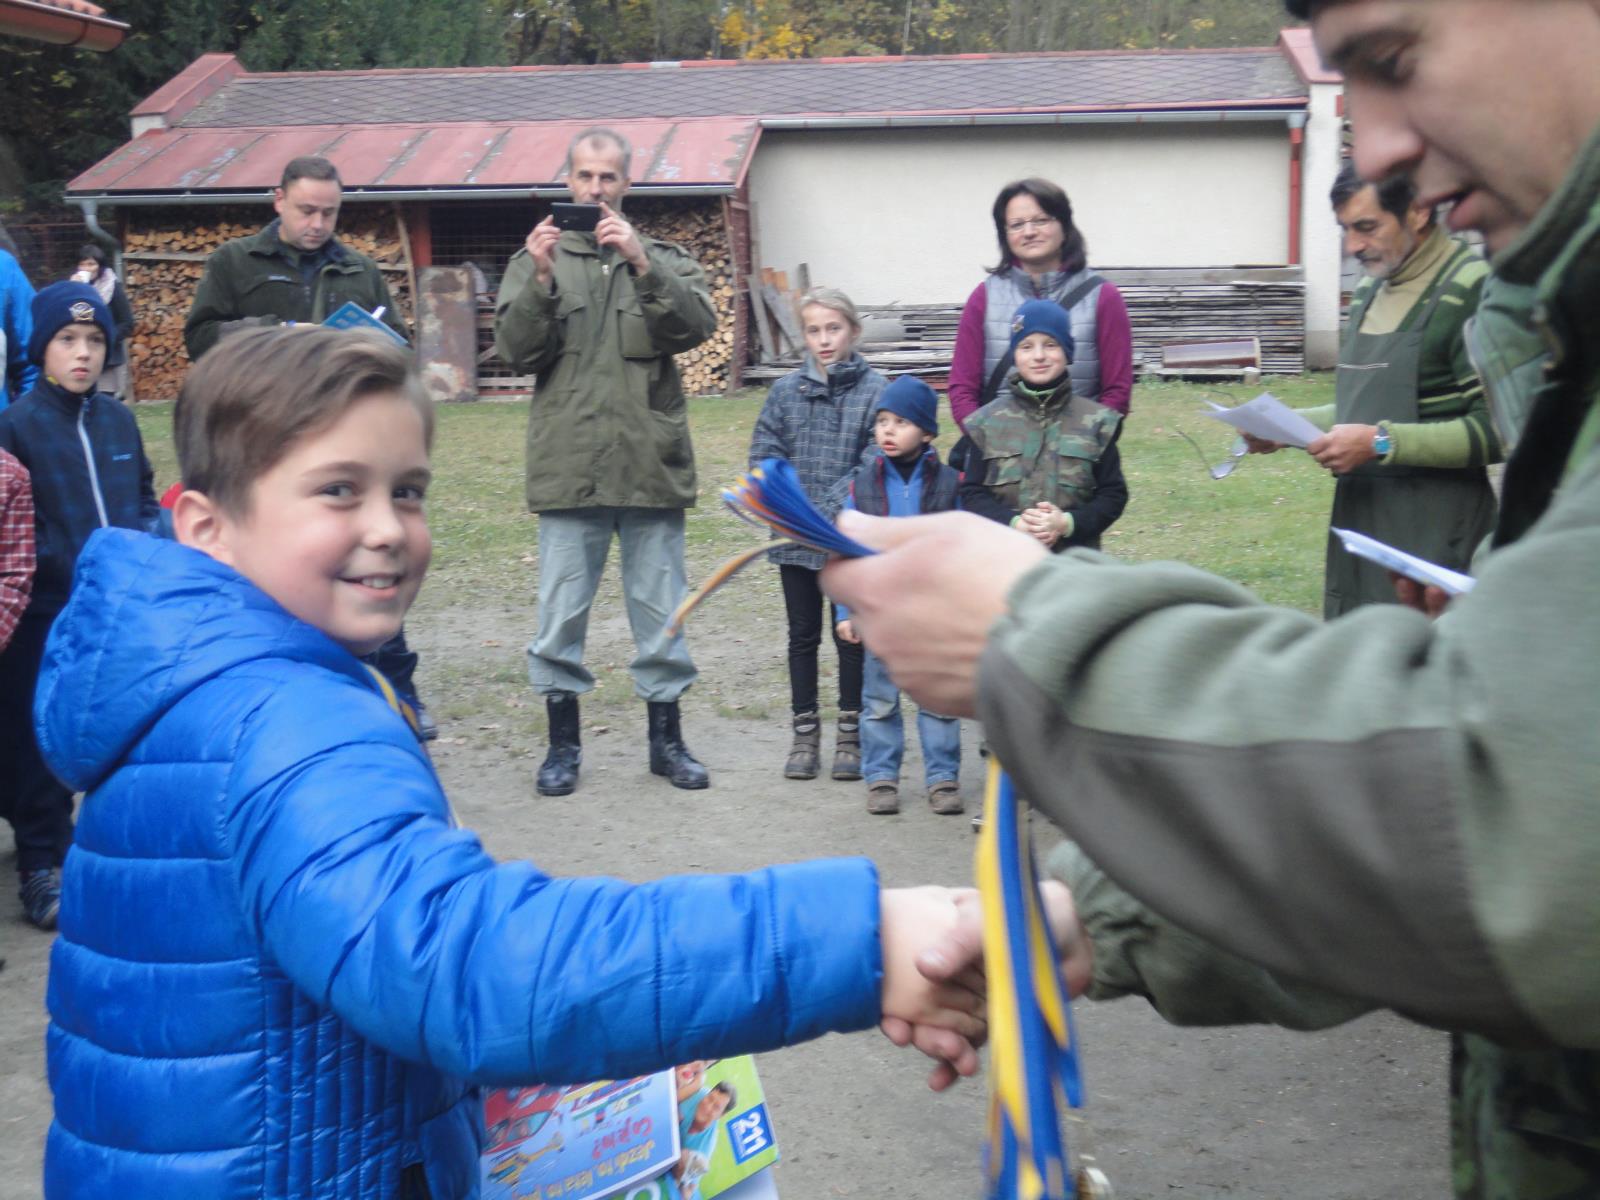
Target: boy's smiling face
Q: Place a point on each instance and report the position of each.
(1040, 359)
(335, 531)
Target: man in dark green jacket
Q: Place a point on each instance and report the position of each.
(1400, 812)
(294, 270)
(597, 317)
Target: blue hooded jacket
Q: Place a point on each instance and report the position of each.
(281, 966)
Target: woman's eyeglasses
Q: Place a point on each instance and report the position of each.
(1223, 469)
(1029, 223)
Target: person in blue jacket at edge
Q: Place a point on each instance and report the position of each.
(282, 966)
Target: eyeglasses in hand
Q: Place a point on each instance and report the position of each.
(1029, 223)
(1223, 469)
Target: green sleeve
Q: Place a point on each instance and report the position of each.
(676, 303)
(1320, 415)
(1187, 980)
(1382, 805)
(526, 332)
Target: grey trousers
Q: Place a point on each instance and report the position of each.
(573, 544)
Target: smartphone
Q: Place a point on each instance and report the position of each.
(581, 217)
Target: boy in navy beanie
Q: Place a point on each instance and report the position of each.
(86, 459)
(903, 478)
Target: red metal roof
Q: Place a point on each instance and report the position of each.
(693, 124)
(701, 153)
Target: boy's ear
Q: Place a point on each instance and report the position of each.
(200, 524)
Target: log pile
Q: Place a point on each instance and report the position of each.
(1164, 306)
(165, 253)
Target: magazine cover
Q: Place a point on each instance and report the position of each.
(580, 1142)
(724, 1132)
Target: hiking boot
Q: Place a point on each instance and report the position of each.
(805, 755)
(883, 799)
(668, 755)
(847, 746)
(945, 799)
(427, 727)
(558, 774)
(41, 897)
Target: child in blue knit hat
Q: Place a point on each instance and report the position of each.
(1039, 458)
(903, 478)
(86, 459)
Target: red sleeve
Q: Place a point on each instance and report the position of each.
(1114, 339)
(966, 360)
(16, 544)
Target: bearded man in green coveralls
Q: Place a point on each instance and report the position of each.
(1408, 435)
(1285, 819)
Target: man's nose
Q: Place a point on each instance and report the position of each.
(1385, 142)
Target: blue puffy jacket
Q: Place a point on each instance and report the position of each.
(281, 965)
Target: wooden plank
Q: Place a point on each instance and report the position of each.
(758, 306)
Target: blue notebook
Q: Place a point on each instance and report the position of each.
(351, 315)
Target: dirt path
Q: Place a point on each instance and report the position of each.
(1347, 1115)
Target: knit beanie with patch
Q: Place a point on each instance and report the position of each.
(1046, 317)
(67, 304)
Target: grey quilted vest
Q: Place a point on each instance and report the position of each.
(1006, 291)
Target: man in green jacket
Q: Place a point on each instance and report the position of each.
(1408, 436)
(597, 316)
(294, 270)
(1396, 811)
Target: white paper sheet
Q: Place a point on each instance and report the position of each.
(1267, 417)
(1454, 583)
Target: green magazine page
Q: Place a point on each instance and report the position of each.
(725, 1132)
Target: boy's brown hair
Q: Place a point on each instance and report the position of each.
(247, 402)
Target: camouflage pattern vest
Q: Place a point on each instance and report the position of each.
(1006, 291)
(1042, 448)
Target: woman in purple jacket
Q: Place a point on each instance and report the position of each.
(1042, 257)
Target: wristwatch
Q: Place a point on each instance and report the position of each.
(1382, 443)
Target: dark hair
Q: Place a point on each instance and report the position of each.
(1074, 250)
(727, 1089)
(246, 402)
(90, 250)
(1396, 194)
(309, 166)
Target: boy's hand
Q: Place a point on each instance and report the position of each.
(960, 954)
(1046, 522)
(949, 1011)
(541, 245)
(847, 633)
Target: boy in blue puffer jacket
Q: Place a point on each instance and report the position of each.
(282, 967)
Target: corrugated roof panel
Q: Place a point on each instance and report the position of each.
(688, 153)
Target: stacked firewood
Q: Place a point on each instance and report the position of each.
(165, 252)
(698, 227)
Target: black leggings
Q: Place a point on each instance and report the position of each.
(802, 597)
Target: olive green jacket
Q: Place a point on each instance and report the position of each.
(1431, 848)
(256, 280)
(608, 425)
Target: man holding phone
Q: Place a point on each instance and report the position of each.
(596, 311)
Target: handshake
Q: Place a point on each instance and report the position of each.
(934, 991)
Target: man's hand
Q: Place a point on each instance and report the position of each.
(846, 632)
(541, 245)
(926, 602)
(615, 232)
(1425, 598)
(1258, 445)
(1344, 447)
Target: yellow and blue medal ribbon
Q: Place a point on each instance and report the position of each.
(1034, 1072)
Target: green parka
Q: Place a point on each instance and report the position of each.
(608, 426)
(256, 280)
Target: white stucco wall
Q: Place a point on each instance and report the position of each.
(902, 215)
(1321, 245)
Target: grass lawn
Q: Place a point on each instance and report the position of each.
(1265, 526)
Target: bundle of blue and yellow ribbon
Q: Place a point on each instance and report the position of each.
(1033, 1065)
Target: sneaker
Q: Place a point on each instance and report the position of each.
(427, 727)
(945, 799)
(883, 799)
(41, 897)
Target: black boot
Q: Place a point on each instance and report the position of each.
(668, 755)
(558, 774)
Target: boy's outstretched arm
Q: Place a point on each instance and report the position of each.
(356, 882)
